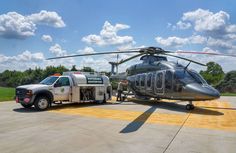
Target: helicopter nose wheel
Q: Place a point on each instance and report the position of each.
(189, 106)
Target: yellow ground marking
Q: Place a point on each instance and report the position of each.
(220, 116)
(124, 115)
(210, 115)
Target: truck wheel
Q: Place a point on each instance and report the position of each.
(26, 105)
(41, 103)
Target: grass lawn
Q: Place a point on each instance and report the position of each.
(6, 94)
(228, 94)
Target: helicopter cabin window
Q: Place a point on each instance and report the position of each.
(137, 80)
(149, 80)
(159, 78)
(168, 80)
(142, 80)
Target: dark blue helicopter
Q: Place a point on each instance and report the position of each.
(156, 77)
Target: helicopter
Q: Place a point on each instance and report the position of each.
(156, 77)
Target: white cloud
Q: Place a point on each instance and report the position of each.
(225, 62)
(231, 28)
(99, 64)
(183, 25)
(57, 50)
(220, 44)
(171, 41)
(17, 26)
(14, 25)
(46, 38)
(212, 30)
(86, 50)
(47, 18)
(204, 20)
(179, 41)
(197, 39)
(21, 61)
(216, 25)
(108, 36)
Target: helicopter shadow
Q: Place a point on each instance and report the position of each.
(175, 106)
(140, 120)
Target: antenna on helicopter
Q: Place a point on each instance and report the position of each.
(187, 65)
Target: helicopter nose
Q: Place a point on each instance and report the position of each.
(203, 92)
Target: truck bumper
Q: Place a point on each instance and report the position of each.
(25, 100)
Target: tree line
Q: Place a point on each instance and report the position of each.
(215, 76)
(15, 78)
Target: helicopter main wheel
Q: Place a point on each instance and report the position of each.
(189, 106)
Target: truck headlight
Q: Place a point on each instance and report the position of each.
(29, 93)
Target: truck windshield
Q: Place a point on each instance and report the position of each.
(49, 80)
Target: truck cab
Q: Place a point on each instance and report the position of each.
(69, 87)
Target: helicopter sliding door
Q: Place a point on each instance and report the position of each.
(159, 83)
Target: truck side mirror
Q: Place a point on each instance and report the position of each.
(57, 84)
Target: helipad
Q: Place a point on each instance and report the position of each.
(135, 126)
(217, 115)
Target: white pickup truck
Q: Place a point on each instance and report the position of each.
(69, 87)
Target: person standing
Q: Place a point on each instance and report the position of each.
(119, 90)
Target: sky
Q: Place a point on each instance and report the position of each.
(32, 31)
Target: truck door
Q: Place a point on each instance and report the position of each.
(62, 89)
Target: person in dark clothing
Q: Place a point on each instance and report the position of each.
(119, 90)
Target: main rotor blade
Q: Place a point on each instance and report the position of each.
(130, 58)
(205, 53)
(91, 54)
(186, 59)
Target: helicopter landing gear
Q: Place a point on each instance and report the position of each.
(189, 106)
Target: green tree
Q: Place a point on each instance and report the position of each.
(87, 69)
(214, 73)
(229, 83)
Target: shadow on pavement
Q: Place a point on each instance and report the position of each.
(220, 108)
(173, 106)
(162, 104)
(61, 106)
(139, 121)
(25, 110)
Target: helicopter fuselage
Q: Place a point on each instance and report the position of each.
(168, 80)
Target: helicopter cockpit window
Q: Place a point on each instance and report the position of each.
(168, 80)
(149, 80)
(142, 80)
(137, 80)
(182, 76)
(159, 78)
(197, 77)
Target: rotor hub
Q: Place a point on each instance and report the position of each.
(152, 50)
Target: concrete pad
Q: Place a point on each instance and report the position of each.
(126, 127)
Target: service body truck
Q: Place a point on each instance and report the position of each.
(70, 87)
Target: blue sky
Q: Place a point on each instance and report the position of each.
(72, 25)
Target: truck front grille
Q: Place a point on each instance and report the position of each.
(21, 92)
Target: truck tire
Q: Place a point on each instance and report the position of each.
(26, 105)
(41, 103)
